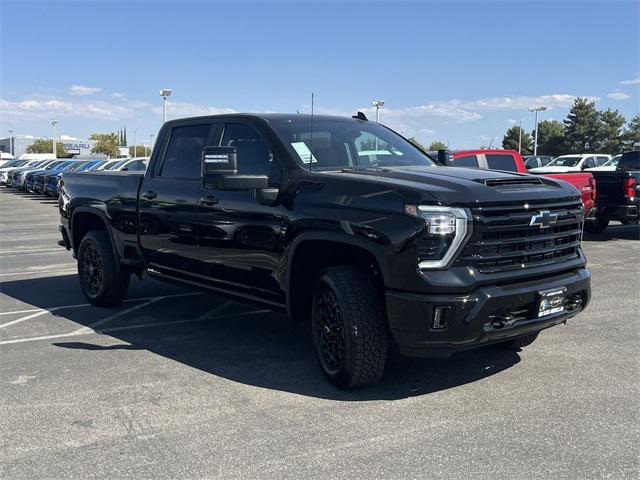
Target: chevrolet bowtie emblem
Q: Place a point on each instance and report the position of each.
(543, 219)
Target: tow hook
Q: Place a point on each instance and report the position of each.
(502, 321)
(574, 303)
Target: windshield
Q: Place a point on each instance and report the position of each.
(75, 166)
(337, 144)
(117, 165)
(613, 162)
(565, 161)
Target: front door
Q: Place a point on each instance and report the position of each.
(169, 202)
(239, 238)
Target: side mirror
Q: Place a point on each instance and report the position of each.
(219, 160)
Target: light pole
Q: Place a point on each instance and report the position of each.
(11, 141)
(377, 104)
(53, 137)
(520, 136)
(135, 145)
(164, 93)
(535, 140)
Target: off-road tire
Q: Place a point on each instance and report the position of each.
(360, 324)
(102, 282)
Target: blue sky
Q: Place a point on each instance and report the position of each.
(460, 72)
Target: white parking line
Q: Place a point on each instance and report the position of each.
(129, 327)
(39, 272)
(42, 311)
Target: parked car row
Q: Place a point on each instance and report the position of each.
(46, 176)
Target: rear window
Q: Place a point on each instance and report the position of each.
(629, 161)
(465, 161)
(497, 161)
(182, 159)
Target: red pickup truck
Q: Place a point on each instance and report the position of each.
(511, 161)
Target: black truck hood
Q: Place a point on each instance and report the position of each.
(465, 186)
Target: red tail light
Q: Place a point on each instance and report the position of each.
(592, 183)
(630, 188)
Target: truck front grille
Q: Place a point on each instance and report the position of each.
(515, 237)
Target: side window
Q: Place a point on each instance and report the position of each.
(466, 161)
(589, 163)
(254, 156)
(602, 160)
(531, 163)
(501, 162)
(182, 159)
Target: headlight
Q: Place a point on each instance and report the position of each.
(446, 230)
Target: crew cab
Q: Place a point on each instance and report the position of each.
(535, 161)
(618, 194)
(340, 221)
(511, 161)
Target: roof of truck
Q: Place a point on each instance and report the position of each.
(272, 117)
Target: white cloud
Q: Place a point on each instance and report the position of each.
(36, 108)
(618, 96)
(83, 90)
(118, 95)
(511, 121)
(186, 109)
(633, 81)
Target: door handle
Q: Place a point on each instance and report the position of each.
(150, 195)
(209, 200)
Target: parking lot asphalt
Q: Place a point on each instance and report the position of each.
(181, 384)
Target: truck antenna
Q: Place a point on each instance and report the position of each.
(311, 136)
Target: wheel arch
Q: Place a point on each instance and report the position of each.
(85, 219)
(312, 251)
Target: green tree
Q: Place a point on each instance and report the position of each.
(582, 127)
(511, 140)
(417, 144)
(551, 137)
(106, 143)
(610, 133)
(43, 145)
(631, 133)
(139, 151)
(124, 140)
(437, 145)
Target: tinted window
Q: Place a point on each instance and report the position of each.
(531, 163)
(602, 160)
(182, 159)
(589, 162)
(501, 162)
(136, 166)
(254, 156)
(466, 161)
(629, 161)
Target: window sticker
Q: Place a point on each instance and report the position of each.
(303, 152)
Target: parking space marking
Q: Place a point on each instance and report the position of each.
(42, 311)
(122, 313)
(39, 272)
(82, 331)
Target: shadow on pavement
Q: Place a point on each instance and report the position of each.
(615, 231)
(261, 349)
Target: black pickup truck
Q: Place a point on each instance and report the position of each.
(617, 194)
(340, 221)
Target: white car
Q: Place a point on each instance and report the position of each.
(573, 163)
(610, 166)
(136, 164)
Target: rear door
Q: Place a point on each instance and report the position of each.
(169, 200)
(240, 238)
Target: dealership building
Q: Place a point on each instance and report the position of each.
(18, 144)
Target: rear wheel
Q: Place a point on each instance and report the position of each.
(520, 342)
(348, 327)
(102, 283)
(598, 225)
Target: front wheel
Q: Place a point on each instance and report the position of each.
(598, 225)
(103, 283)
(349, 327)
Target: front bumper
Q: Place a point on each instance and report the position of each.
(470, 318)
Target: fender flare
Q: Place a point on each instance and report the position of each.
(103, 217)
(338, 237)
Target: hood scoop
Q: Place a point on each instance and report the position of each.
(515, 183)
